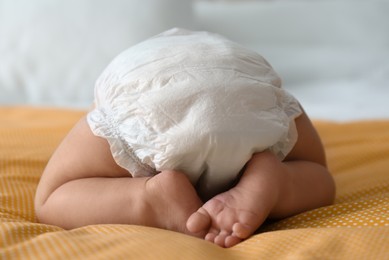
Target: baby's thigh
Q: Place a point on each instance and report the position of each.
(80, 155)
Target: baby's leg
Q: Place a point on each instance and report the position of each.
(83, 185)
(269, 188)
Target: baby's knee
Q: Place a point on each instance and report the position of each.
(42, 210)
(49, 204)
(51, 180)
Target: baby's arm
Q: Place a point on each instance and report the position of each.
(304, 181)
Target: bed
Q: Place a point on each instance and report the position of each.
(355, 227)
(338, 68)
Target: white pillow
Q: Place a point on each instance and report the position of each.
(52, 51)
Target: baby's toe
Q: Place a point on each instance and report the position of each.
(231, 241)
(199, 221)
(242, 231)
(221, 239)
(210, 237)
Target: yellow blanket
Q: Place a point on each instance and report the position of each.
(355, 227)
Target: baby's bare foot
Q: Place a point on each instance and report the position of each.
(228, 218)
(234, 215)
(170, 200)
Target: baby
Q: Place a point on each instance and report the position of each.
(192, 133)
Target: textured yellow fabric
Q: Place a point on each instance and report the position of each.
(355, 227)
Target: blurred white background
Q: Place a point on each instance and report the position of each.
(333, 55)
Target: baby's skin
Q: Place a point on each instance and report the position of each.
(234, 215)
(83, 180)
(226, 219)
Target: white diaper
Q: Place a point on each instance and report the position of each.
(195, 102)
